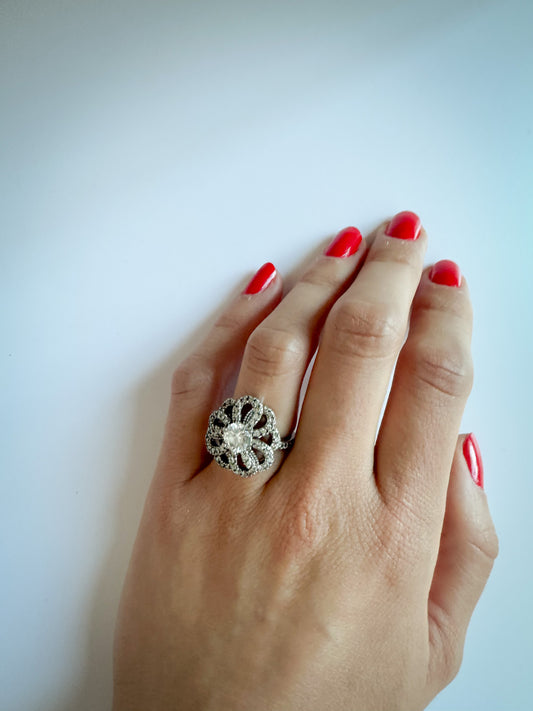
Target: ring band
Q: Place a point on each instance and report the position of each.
(242, 436)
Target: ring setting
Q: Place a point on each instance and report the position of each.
(242, 436)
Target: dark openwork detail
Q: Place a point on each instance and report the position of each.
(242, 436)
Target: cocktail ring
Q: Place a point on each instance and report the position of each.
(242, 436)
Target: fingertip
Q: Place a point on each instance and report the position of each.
(264, 277)
(467, 503)
(444, 272)
(468, 464)
(472, 456)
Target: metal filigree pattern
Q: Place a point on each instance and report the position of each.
(242, 436)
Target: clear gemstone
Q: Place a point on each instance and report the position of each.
(237, 437)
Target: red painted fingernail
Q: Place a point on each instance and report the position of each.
(472, 455)
(261, 279)
(345, 243)
(404, 225)
(446, 272)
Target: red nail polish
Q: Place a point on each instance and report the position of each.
(261, 279)
(404, 225)
(472, 456)
(345, 243)
(446, 272)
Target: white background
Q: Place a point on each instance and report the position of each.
(153, 155)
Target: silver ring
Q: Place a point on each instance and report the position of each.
(242, 436)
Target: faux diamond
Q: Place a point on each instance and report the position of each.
(237, 437)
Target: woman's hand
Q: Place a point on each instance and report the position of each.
(344, 576)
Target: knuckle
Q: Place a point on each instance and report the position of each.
(452, 665)
(365, 329)
(447, 644)
(394, 539)
(451, 660)
(274, 351)
(408, 261)
(228, 323)
(322, 275)
(305, 521)
(193, 375)
(486, 543)
(396, 547)
(446, 369)
(451, 303)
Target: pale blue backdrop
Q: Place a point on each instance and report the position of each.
(153, 155)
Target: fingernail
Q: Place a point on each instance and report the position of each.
(473, 459)
(345, 243)
(261, 279)
(446, 272)
(404, 225)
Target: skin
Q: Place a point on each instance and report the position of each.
(343, 577)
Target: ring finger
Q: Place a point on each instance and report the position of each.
(280, 348)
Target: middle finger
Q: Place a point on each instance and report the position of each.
(280, 348)
(361, 339)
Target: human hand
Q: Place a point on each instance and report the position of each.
(345, 575)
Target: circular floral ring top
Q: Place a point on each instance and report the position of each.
(242, 436)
